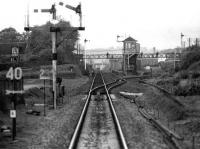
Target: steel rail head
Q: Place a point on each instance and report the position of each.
(75, 136)
(118, 84)
(100, 86)
(123, 141)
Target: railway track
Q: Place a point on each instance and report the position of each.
(171, 139)
(98, 126)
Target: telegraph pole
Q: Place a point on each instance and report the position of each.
(54, 55)
(196, 42)
(85, 65)
(182, 41)
(124, 60)
(52, 11)
(54, 31)
(123, 53)
(175, 60)
(27, 31)
(189, 42)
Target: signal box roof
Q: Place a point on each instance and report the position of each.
(129, 39)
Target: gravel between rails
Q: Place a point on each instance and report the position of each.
(98, 128)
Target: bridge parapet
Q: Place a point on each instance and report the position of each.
(161, 55)
(104, 56)
(139, 55)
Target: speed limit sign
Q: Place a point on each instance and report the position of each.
(13, 113)
(14, 73)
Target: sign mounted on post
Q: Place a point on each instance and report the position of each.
(15, 57)
(15, 51)
(14, 73)
(13, 113)
(46, 73)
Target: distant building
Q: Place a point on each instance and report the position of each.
(116, 64)
(131, 50)
(131, 46)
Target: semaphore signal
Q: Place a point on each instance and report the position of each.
(54, 30)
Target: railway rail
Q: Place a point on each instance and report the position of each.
(171, 138)
(98, 126)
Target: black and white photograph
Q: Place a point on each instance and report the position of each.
(100, 74)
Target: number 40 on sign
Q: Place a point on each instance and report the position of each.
(13, 113)
(14, 73)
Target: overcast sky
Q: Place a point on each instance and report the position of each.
(154, 23)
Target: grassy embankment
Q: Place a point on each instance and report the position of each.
(57, 127)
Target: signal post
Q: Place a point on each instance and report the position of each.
(54, 31)
(14, 74)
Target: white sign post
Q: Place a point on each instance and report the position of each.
(14, 54)
(45, 74)
(13, 113)
(15, 51)
(14, 74)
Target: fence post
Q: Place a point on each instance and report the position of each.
(158, 113)
(193, 142)
(168, 123)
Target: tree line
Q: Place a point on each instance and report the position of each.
(37, 49)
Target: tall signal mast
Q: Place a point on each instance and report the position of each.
(28, 23)
(27, 19)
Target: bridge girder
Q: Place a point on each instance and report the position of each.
(139, 56)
